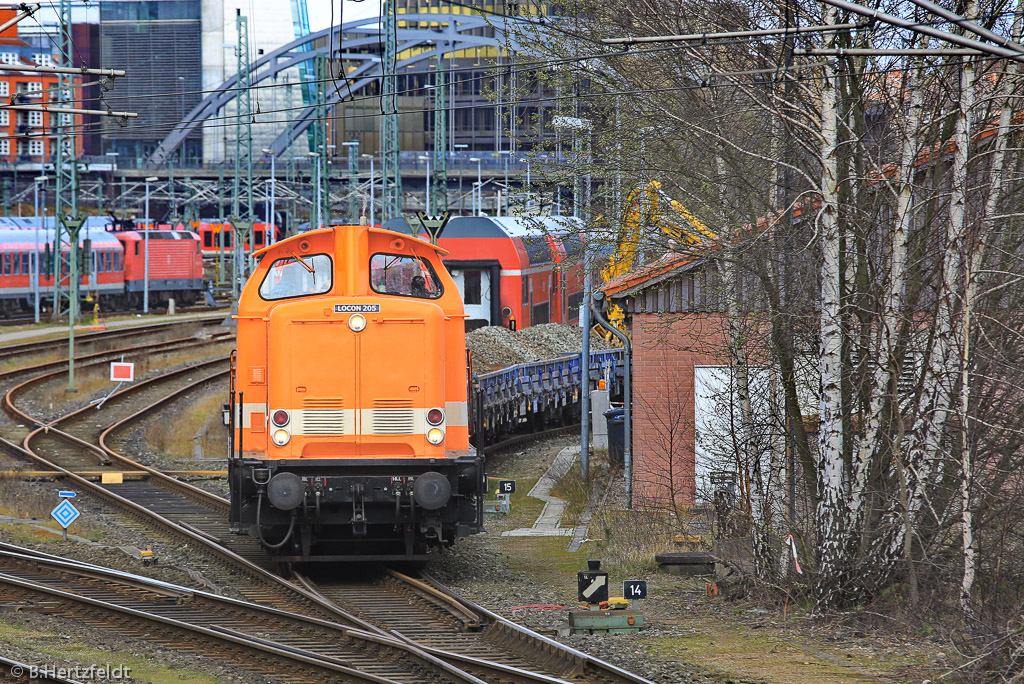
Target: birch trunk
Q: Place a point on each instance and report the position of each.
(830, 442)
(938, 400)
(893, 306)
(970, 292)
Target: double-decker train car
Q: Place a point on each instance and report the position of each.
(513, 271)
(100, 266)
(348, 411)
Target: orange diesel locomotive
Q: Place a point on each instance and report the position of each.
(350, 435)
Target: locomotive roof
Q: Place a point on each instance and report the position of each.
(497, 226)
(10, 237)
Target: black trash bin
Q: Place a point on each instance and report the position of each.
(616, 418)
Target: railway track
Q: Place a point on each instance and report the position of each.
(85, 340)
(222, 307)
(265, 641)
(462, 633)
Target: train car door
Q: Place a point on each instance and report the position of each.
(475, 287)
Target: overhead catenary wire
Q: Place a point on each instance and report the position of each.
(927, 30)
(469, 68)
(472, 68)
(758, 33)
(706, 84)
(967, 24)
(521, 66)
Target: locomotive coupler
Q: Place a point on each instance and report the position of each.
(358, 510)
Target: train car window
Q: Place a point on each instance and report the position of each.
(297, 277)
(471, 287)
(24, 264)
(402, 274)
(208, 239)
(7, 264)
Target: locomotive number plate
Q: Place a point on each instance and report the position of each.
(357, 308)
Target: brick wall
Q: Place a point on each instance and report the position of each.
(666, 347)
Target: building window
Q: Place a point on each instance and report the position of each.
(35, 119)
(5, 118)
(35, 147)
(5, 147)
(5, 89)
(43, 59)
(8, 58)
(34, 87)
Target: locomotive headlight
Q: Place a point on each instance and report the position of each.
(280, 417)
(357, 322)
(281, 437)
(435, 435)
(435, 416)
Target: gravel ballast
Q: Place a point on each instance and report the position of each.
(496, 347)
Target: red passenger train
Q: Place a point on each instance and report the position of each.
(219, 237)
(513, 271)
(111, 264)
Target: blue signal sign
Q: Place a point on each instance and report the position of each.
(65, 513)
(67, 494)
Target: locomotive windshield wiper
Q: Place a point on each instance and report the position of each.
(304, 264)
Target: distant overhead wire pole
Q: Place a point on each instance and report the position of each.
(321, 145)
(241, 210)
(391, 172)
(440, 180)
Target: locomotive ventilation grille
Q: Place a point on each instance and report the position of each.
(393, 417)
(323, 417)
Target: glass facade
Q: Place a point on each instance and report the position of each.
(150, 10)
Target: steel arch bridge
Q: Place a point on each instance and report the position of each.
(445, 34)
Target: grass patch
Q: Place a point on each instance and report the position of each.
(524, 508)
(526, 554)
(65, 652)
(576, 493)
(741, 652)
(199, 423)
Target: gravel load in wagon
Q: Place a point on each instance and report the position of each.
(496, 347)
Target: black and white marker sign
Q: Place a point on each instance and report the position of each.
(506, 486)
(593, 586)
(634, 589)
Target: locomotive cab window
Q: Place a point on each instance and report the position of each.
(405, 275)
(297, 277)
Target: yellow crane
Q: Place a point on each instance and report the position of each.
(648, 207)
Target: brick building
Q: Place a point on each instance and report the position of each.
(23, 133)
(679, 350)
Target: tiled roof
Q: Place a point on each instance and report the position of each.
(666, 264)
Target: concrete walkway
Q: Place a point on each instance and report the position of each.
(550, 517)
